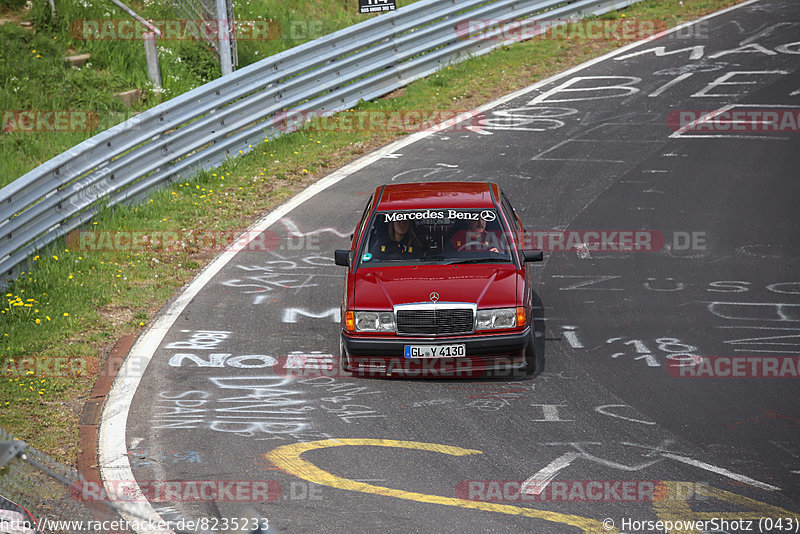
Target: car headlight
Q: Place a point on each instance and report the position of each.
(367, 321)
(498, 318)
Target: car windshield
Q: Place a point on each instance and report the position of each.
(445, 236)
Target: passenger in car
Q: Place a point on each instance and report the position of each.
(401, 242)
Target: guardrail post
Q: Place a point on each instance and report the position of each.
(151, 57)
(224, 38)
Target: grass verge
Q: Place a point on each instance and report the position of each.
(37, 79)
(62, 318)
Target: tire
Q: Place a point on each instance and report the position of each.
(343, 370)
(530, 355)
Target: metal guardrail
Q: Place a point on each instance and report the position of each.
(47, 489)
(200, 129)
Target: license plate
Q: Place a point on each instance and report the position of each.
(435, 351)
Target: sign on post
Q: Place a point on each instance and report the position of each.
(376, 6)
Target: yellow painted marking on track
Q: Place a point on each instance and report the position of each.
(288, 458)
(675, 505)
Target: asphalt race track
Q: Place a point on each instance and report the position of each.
(615, 405)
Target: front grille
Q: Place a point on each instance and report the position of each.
(435, 322)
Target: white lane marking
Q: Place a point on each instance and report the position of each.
(766, 32)
(536, 484)
(604, 410)
(669, 84)
(682, 132)
(294, 231)
(313, 360)
(791, 352)
(571, 337)
(720, 471)
(478, 130)
(113, 459)
(539, 156)
(449, 166)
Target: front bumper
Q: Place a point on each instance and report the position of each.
(485, 354)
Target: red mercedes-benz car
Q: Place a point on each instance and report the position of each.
(437, 284)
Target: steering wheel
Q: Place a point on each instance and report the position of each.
(476, 246)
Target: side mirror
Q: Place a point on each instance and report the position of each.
(341, 257)
(533, 255)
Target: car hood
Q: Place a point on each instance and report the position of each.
(487, 285)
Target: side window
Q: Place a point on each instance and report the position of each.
(511, 217)
(362, 223)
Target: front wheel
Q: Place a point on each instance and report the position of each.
(530, 355)
(343, 358)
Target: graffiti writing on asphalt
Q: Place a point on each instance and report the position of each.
(606, 454)
(253, 399)
(264, 279)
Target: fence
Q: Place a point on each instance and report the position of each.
(200, 129)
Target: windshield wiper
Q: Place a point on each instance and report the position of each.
(478, 260)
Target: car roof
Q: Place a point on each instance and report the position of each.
(436, 195)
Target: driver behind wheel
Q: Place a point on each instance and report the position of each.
(401, 242)
(476, 238)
